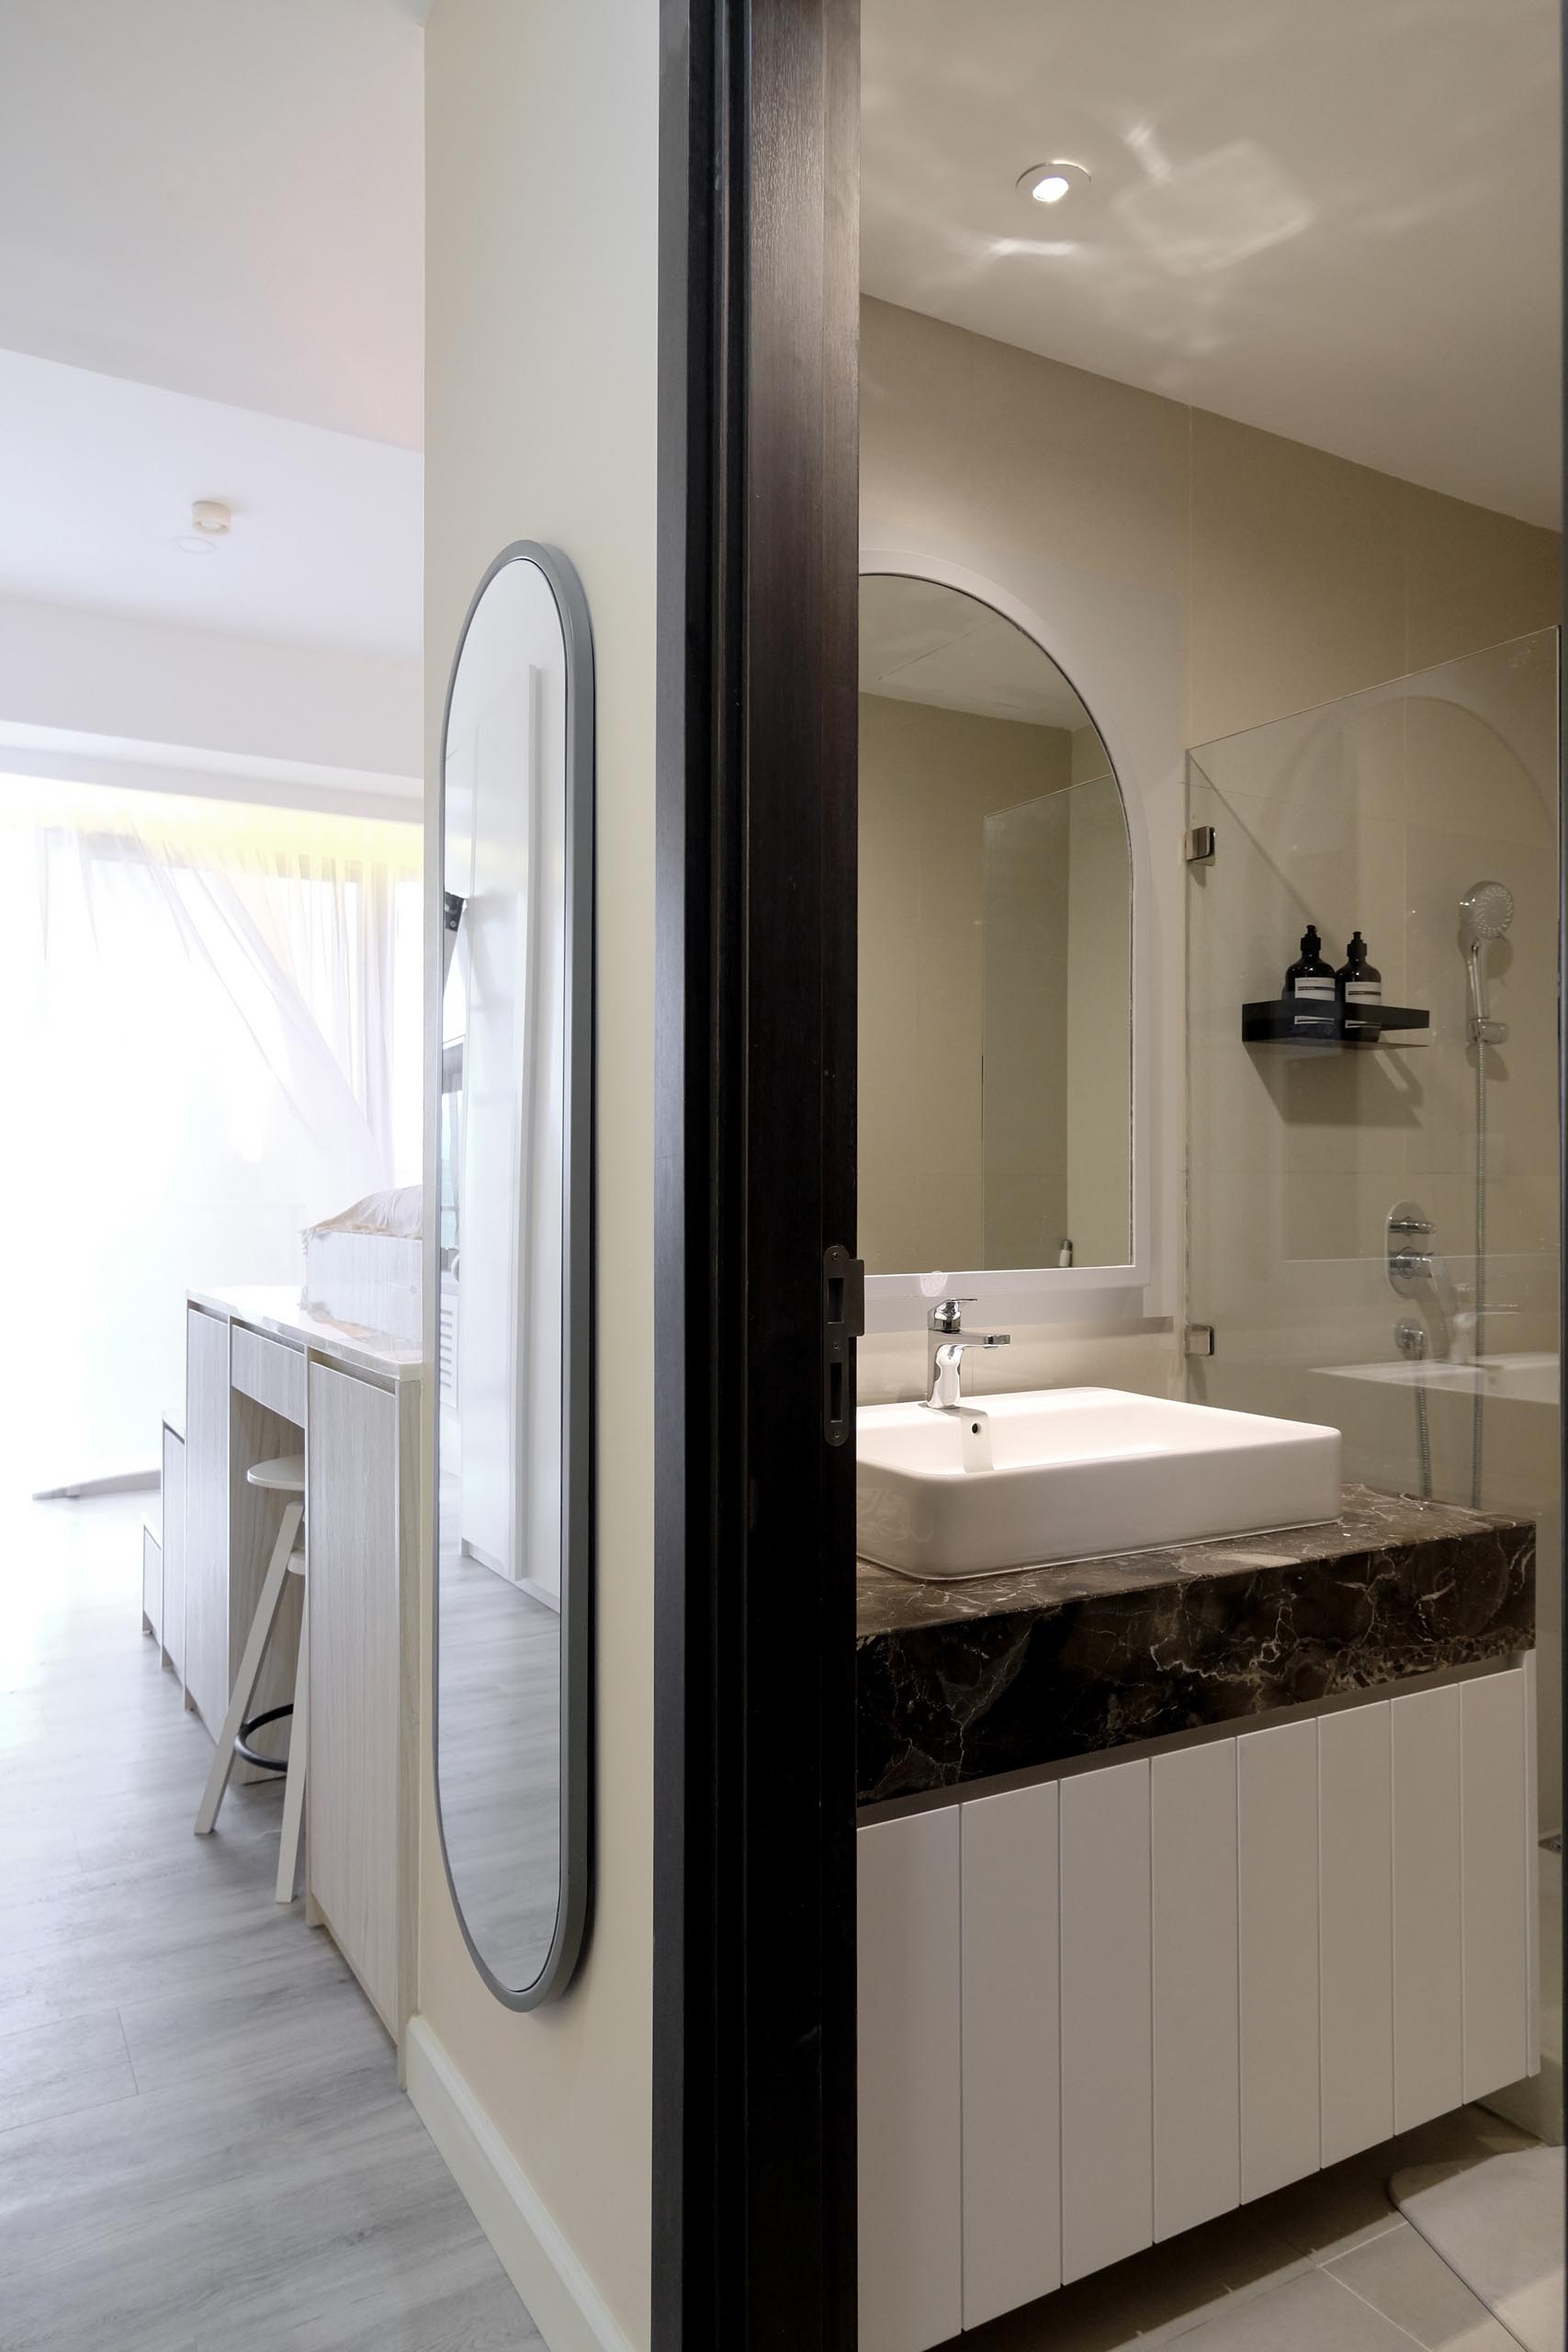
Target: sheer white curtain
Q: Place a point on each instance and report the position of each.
(210, 1018)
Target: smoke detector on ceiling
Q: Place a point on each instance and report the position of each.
(210, 521)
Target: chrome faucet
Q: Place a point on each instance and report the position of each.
(946, 1350)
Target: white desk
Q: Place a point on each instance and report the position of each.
(264, 1375)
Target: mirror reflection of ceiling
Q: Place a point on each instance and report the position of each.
(920, 642)
(1337, 220)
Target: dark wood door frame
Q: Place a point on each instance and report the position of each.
(753, 2085)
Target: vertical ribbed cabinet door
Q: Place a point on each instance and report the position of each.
(1013, 2182)
(1277, 1875)
(1495, 1810)
(910, 2121)
(1356, 1927)
(207, 1516)
(1107, 2049)
(351, 1789)
(1428, 2036)
(1196, 2021)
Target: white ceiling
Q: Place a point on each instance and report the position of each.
(223, 196)
(1333, 218)
(96, 479)
(212, 285)
(921, 642)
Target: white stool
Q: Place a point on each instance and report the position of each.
(286, 1476)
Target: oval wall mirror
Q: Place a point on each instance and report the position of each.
(514, 1459)
(996, 949)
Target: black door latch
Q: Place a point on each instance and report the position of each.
(843, 1320)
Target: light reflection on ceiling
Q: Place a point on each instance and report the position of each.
(1337, 221)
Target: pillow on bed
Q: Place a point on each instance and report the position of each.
(401, 1212)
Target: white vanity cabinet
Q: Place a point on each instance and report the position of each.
(1098, 2009)
(266, 1377)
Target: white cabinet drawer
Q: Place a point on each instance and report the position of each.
(266, 1370)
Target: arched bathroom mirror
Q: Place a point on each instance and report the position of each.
(996, 949)
(515, 1153)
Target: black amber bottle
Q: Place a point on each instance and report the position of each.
(1310, 976)
(1359, 982)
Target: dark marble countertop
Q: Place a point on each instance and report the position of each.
(962, 1681)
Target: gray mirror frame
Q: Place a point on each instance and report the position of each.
(578, 1276)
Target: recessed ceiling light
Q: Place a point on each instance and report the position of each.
(194, 543)
(1049, 183)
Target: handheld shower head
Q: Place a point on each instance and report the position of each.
(1484, 912)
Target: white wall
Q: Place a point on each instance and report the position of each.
(199, 692)
(542, 168)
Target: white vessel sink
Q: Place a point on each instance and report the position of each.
(1068, 1473)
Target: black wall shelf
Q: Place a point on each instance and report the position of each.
(1305, 1020)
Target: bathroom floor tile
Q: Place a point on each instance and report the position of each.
(1152, 2298)
(1313, 2314)
(1498, 2225)
(1399, 2275)
(1335, 2212)
(1222, 2288)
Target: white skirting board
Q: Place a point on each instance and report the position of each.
(561, 2299)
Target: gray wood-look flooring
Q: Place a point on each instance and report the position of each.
(203, 2146)
(498, 1761)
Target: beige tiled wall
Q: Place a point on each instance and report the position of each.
(1303, 576)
